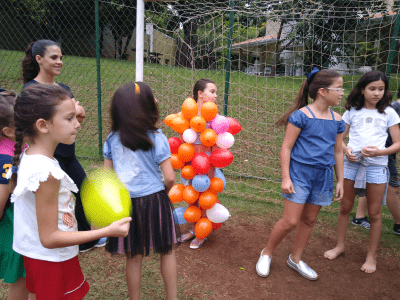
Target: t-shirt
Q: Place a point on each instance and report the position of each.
(6, 156)
(32, 170)
(138, 170)
(368, 127)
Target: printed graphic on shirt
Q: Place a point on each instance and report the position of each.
(6, 167)
(369, 124)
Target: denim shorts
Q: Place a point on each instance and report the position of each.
(375, 174)
(394, 177)
(311, 184)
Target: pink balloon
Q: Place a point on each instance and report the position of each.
(220, 124)
(225, 140)
(201, 163)
(221, 158)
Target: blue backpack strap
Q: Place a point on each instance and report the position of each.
(311, 112)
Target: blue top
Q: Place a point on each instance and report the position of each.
(138, 170)
(315, 143)
(5, 165)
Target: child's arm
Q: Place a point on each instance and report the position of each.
(4, 194)
(108, 164)
(291, 135)
(168, 173)
(371, 151)
(47, 217)
(346, 150)
(339, 161)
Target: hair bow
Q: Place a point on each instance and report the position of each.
(311, 75)
(137, 89)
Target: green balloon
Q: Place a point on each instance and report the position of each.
(105, 199)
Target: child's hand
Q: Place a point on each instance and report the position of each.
(287, 187)
(80, 112)
(120, 228)
(350, 156)
(339, 191)
(370, 151)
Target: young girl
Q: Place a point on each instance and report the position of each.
(137, 150)
(45, 228)
(204, 91)
(312, 145)
(11, 263)
(368, 117)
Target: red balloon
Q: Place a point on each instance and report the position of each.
(221, 158)
(216, 226)
(234, 126)
(174, 144)
(201, 163)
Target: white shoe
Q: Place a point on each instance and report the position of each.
(263, 265)
(303, 269)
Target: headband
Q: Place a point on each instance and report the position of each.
(137, 89)
(310, 76)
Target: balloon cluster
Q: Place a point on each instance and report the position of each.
(210, 129)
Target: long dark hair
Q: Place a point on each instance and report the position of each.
(322, 79)
(7, 102)
(37, 101)
(30, 67)
(134, 112)
(356, 98)
(200, 85)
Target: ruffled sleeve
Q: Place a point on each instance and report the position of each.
(107, 148)
(341, 126)
(161, 147)
(298, 119)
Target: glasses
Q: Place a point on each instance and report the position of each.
(336, 89)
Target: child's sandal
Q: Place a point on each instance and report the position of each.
(185, 238)
(197, 243)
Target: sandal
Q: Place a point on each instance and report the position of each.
(184, 237)
(197, 243)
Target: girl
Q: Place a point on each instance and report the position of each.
(368, 117)
(312, 145)
(204, 90)
(137, 150)
(45, 228)
(42, 62)
(11, 263)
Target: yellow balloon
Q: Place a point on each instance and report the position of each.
(105, 199)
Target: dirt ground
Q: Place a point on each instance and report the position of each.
(224, 268)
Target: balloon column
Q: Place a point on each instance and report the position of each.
(209, 129)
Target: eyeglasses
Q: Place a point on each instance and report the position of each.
(336, 89)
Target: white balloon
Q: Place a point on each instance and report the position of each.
(189, 136)
(218, 213)
(225, 140)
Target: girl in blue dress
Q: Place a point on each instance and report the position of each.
(312, 145)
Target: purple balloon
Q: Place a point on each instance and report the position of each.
(220, 124)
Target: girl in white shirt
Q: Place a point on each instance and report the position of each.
(368, 117)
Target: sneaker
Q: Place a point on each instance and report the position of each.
(363, 222)
(263, 265)
(303, 269)
(101, 243)
(396, 229)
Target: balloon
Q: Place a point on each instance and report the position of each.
(189, 108)
(225, 140)
(188, 172)
(234, 126)
(174, 144)
(190, 195)
(209, 110)
(192, 214)
(218, 174)
(207, 200)
(178, 215)
(221, 158)
(176, 162)
(176, 193)
(203, 228)
(220, 124)
(169, 119)
(218, 213)
(198, 123)
(216, 226)
(180, 124)
(216, 185)
(208, 137)
(105, 199)
(201, 163)
(201, 183)
(186, 152)
(189, 136)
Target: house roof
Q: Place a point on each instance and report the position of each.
(257, 41)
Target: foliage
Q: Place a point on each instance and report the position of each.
(367, 54)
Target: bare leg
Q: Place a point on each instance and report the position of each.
(133, 273)
(346, 205)
(32, 296)
(393, 202)
(18, 290)
(362, 207)
(304, 229)
(169, 274)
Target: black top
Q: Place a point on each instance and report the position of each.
(389, 142)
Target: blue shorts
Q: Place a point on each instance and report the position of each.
(375, 174)
(311, 184)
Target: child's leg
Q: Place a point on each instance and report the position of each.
(304, 229)
(393, 203)
(169, 274)
(18, 290)
(133, 273)
(362, 207)
(346, 206)
(290, 219)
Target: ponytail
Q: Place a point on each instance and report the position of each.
(19, 141)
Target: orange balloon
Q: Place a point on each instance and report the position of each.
(189, 108)
(198, 123)
(203, 228)
(209, 110)
(179, 114)
(176, 193)
(208, 137)
(180, 124)
(192, 214)
(169, 118)
(216, 185)
(188, 172)
(207, 199)
(176, 162)
(186, 152)
(190, 195)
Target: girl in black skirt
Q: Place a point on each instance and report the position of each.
(137, 150)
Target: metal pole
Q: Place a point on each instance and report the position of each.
(99, 119)
(139, 39)
(393, 43)
(228, 59)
